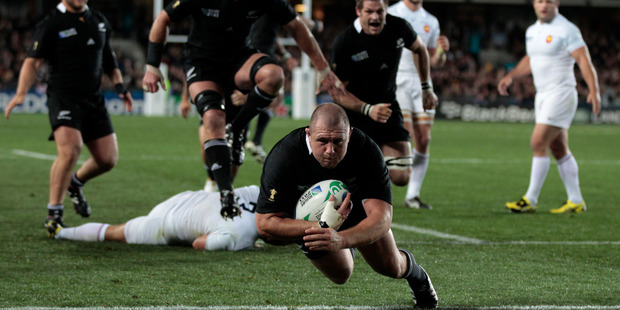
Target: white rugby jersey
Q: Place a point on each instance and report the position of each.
(549, 46)
(195, 213)
(427, 27)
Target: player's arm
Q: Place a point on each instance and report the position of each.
(215, 242)
(584, 61)
(116, 77)
(379, 112)
(423, 64)
(372, 228)
(438, 54)
(326, 79)
(522, 69)
(276, 228)
(27, 77)
(157, 39)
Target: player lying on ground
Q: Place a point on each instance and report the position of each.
(191, 217)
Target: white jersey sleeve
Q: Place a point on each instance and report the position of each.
(549, 46)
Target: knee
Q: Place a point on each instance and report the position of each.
(108, 163)
(400, 177)
(270, 77)
(388, 268)
(340, 278)
(70, 154)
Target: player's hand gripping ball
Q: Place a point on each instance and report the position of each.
(312, 202)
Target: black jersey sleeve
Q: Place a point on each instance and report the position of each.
(42, 43)
(278, 191)
(179, 9)
(109, 62)
(405, 28)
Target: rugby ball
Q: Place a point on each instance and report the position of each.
(312, 202)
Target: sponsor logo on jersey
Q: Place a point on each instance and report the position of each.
(383, 66)
(360, 56)
(174, 6)
(101, 27)
(210, 12)
(90, 42)
(427, 28)
(67, 33)
(64, 114)
(548, 40)
(400, 43)
(35, 45)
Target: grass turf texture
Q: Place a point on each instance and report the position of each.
(515, 260)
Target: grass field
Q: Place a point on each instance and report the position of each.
(478, 254)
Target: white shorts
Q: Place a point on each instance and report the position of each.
(556, 108)
(148, 229)
(409, 97)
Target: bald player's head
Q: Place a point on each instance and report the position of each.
(329, 134)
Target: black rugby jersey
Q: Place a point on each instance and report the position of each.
(263, 35)
(290, 169)
(77, 49)
(369, 63)
(220, 28)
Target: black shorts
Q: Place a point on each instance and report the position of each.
(391, 131)
(220, 71)
(87, 114)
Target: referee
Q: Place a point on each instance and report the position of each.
(74, 40)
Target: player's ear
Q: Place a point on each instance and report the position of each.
(308, 132)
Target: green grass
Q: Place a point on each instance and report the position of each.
(521, 260)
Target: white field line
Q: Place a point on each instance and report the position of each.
(473, 161)
(466, 240)
(537, 307)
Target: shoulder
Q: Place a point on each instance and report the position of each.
(396, 8)
(398, 24)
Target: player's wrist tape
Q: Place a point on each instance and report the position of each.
(322, 74)
(427, 85)
(120, 88)
(156, 71)
(153, 53)
(330, 217)
(367, 109)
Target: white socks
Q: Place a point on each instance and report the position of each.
(418, 172)
(86, 232)
(540, 167)
(569, 172)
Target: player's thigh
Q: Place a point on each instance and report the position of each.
(556, 108)
(145, 230)
(396, 149)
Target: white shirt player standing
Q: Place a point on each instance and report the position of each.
(553, 45)
(189, 218)
(417, 120)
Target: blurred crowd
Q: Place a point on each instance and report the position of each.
(484, 45)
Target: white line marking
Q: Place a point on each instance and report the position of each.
(466, 240)
(439, 234)
(33, 154)
(350, 307)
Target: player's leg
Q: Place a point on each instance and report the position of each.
(255, 146)
(68, 148)
(398, 159)
(569, 173)
(386, 259)
(263, 77)
(209, 100)
(91, 232)
(422, 124)
(337, 267)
